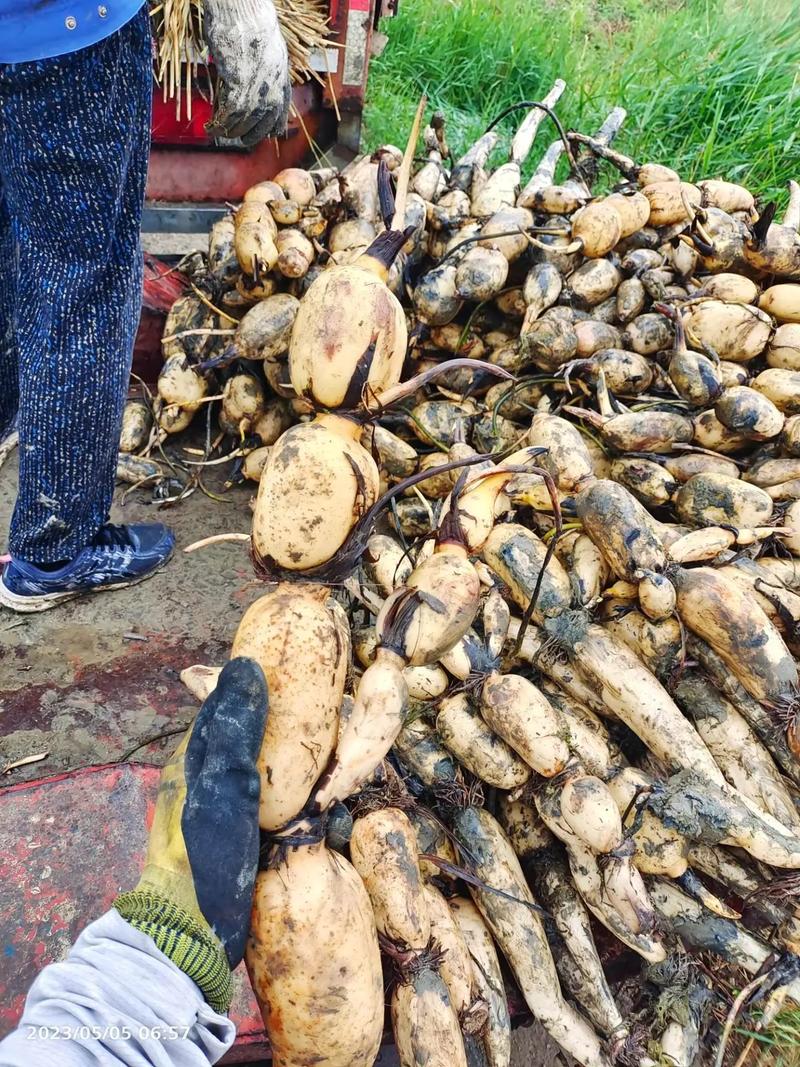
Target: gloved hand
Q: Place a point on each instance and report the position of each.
(196, 889)
(249, 51)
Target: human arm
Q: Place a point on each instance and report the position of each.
(116, 1000)
(163, 957)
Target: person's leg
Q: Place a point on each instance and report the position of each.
(74, 141)
(9, 378)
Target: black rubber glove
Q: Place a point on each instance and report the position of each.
(250, 55)
(196, 889)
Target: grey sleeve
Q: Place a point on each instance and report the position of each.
(116, 1001)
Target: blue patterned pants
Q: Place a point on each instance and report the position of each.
(74, 141)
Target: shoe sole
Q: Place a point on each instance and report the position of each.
(33, 605)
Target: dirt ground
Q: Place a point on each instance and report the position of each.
(97, 680)
(93, 680)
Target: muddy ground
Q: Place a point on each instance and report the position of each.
(97, 680)
(93, 680)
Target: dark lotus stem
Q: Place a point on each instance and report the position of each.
(408, 388)
(386, 246)
(761, 226)
(222, 360)
(461, 872)
(624, 164)
(385, 194)
(527, 105)
(334, 570)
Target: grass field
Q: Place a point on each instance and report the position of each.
(712, 87)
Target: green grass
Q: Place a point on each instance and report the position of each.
(712, 87)
(780, 1044)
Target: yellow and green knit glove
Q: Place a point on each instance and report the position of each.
(195, 893)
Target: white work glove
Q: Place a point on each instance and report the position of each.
(249, 51)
